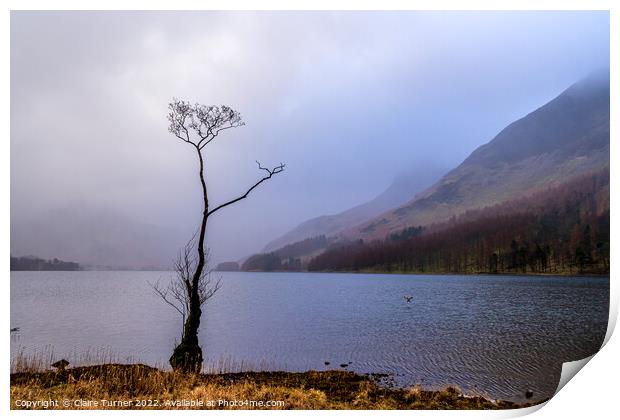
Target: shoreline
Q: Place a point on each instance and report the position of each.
(398, 273)
(395, 273)
(90, 387)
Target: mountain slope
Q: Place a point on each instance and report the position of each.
(403, 188)
(566, 137)
(562, 229)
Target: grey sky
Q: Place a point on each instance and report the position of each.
(346, 99)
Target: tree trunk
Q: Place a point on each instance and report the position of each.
(187, 356)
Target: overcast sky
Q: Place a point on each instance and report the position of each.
(347, 100)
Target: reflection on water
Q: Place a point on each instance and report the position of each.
(493, 335)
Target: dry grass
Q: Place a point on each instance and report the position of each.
(308, 390)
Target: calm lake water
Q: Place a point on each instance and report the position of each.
(493, 335)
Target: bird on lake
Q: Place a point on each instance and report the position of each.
(344, 365)
(326, 363)
(16, 329)
(408, 298)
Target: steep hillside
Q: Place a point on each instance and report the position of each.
(564, 138)
(562, 229)
(404, 187)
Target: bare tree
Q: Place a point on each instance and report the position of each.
(198, 125)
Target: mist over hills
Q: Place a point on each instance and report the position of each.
(404, 186)
(566, 137)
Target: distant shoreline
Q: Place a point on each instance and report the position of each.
(398, 273)
(393, 273)
(33, 263)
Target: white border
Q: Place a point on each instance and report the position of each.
(592, 394)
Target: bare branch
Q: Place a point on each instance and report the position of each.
(164, 293)
(215, 133)
(270, 173)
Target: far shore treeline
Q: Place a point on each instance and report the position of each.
(31, 263)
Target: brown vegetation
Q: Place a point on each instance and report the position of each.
(561, 230)
(149, 388)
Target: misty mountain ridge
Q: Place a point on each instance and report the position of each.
(560, 141)
(404, 186)
(564, 138)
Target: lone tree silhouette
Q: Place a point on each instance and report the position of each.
(198, 125)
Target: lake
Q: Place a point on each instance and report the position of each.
(492, 335)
